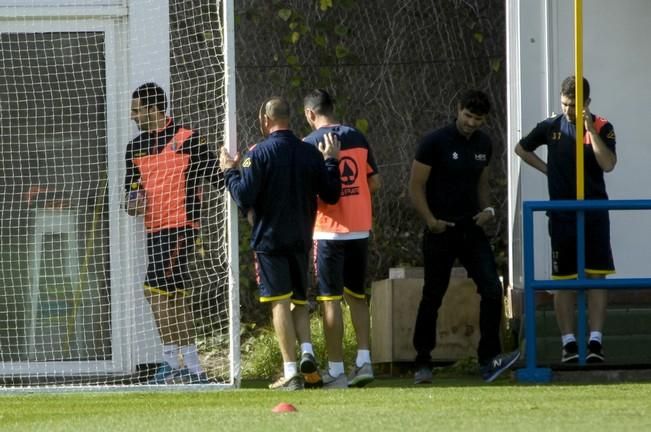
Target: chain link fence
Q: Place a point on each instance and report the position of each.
(395, 70)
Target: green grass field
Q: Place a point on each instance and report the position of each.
(448, 405)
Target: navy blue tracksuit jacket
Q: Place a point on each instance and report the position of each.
(280, 179)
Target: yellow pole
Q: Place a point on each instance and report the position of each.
(578, 73)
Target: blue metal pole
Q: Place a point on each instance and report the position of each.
(580, 297)
(529, 291)
(530, 373)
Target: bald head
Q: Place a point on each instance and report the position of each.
(274, 115)
(276, 108)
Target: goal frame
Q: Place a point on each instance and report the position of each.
(112, 20)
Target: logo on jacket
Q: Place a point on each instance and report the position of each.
(455, 155)
(349, 172)
(480, 157)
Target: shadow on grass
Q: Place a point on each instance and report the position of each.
(463, 373)
(390, 382)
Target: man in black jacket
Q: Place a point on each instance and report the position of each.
(449, 189)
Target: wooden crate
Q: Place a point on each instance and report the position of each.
(394, 305)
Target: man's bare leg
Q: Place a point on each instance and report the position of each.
(284, 327)
(564, 306)
(307, 366)
(597, 305)
(333, 327)
(360, 316)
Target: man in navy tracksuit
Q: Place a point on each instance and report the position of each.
(278, 183)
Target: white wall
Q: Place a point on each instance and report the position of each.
(527, 81)
(617, 59)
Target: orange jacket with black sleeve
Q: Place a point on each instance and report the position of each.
(353, 212)
(169, 165)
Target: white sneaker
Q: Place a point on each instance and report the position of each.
(290, 384)
(330, 382)
(360, 376)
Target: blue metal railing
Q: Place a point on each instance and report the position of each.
(532, 373)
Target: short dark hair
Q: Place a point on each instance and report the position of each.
(276, 108)
(476, 102)
(319, 101)
(568, 88)
(151, 95)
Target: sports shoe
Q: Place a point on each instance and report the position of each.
(330, 382)
(423, 376)
(360, 376)
(499, 364)
(310, 371)
(188, 377)
(292, 384)
(164, 374)
(595, 352)
(570, 353)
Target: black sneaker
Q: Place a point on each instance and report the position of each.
(310, 371)
(570, 353)
(423, 376)
(498, 365)
(595, 352)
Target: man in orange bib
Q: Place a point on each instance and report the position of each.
(341, 234)
(164, 168)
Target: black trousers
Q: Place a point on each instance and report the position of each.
(471, 246)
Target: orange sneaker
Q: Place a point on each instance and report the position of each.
(310, 371)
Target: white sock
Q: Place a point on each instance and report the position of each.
(567, 338)
(363, 356)
(191, 358)
(171, 355)
(596, 336)
(335, 368)
(306, 347)
(289, 369)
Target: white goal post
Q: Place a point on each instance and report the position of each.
(73, 309)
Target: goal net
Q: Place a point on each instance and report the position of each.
(74, 311)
